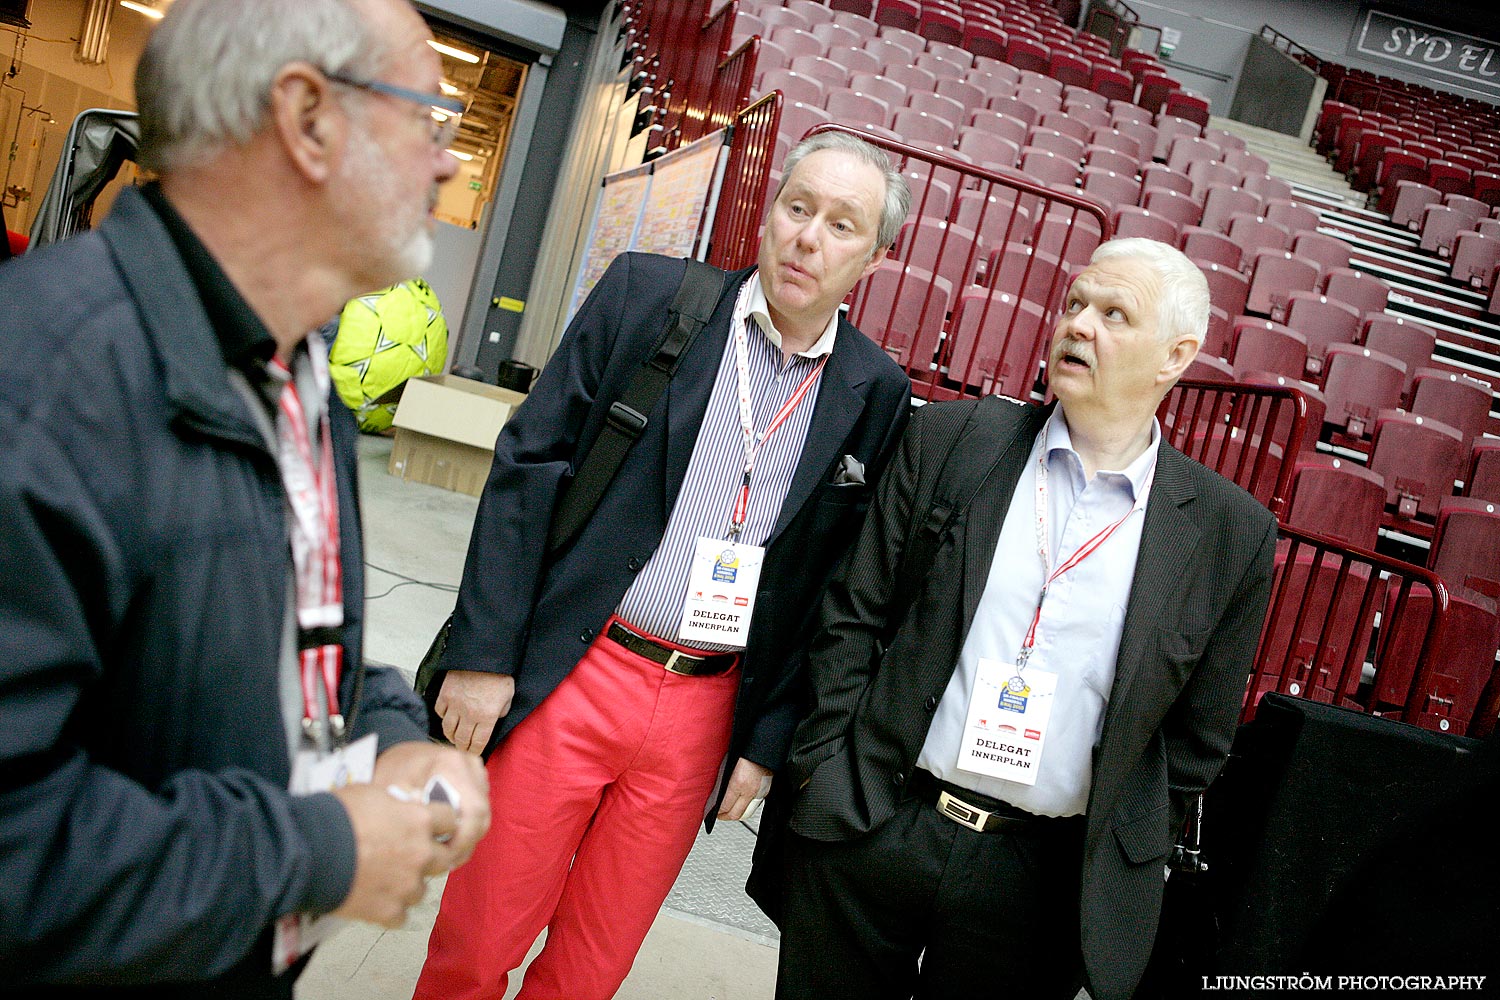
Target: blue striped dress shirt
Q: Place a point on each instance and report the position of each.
(654, 601)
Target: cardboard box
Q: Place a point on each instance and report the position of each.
(445, 431)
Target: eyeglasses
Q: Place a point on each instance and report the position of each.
(446, 111)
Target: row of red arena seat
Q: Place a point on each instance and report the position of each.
(1063, 54)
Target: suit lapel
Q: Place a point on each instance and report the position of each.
(1168, 537)
(835, 412)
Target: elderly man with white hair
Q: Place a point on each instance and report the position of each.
(196, 764)
(1020, 682)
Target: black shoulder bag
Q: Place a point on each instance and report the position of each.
(697, 297)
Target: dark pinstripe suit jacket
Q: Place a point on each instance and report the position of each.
(1197, 602)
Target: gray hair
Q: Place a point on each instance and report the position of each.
(1183, 308)
(204, 80)
(897, 200)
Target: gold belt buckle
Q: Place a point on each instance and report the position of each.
(961, 812)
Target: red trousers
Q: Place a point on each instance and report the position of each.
(595, 800)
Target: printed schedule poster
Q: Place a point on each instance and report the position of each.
(681, 182)
(615, 223)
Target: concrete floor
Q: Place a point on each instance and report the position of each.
(709, 943)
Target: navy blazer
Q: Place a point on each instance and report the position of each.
(520, 613)
(1197, 602)
(146, 832)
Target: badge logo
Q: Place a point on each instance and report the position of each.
(726, 567)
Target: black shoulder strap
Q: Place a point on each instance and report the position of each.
(971, 459)
(697, 297)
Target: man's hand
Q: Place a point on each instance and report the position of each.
(395, 849)
(744, 787)
(470, 703)
(410, 766)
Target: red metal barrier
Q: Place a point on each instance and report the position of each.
(742, 199)
(1334, 615)
(965, 301)
(692, 93)
(730, 92)
(1249, 434)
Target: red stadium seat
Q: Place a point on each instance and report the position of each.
(1221, 202)
(998, 342)
(1294, 215)
(1482, 481)
(1260, 345)
(1329, 251)
(1411, 343)
(1366, 293)
(1419, 457)
(1255, 233)
(1440, 225)
(902, 308)
(1273, 278)
(1182, 104)
(950, 251)
(1323, 321)
(1131, 220)
(1056, 142)
(1029, 274)
(1109, 187)
(1466, 545)
(1411, 199)
(1182, 209)
(1203, 244)
(1227, 287)
(1358, 383)
(1462, 659)
(1460, 401)
(1159, 175)
(1474, 258)
(997, 218)
(1338, 498)
(903, 14)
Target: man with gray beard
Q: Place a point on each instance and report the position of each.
(196, 764)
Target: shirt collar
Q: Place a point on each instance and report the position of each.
(1058, 439)
(760, 311)
(243, 338)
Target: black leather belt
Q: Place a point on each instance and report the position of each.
(968, 808)
(673, 660)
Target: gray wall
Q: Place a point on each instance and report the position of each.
(1216, 37)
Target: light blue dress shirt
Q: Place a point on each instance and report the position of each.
(1078, 637)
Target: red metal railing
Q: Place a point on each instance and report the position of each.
(1333, 620)
(730, 92)
(742, 198)
(692, 93)
(963, 300)
(1251, 435)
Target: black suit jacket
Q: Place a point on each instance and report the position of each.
(1196, 606)
(519, 613)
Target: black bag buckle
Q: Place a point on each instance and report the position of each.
(626, 419)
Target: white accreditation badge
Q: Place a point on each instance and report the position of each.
(315, 771)
(721, 592)
(1007, 723)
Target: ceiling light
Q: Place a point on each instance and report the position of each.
(447, 50)
(456, 154)
(448, 89)
(141, 8)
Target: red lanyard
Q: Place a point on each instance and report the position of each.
(312, 495)
(1081, 553)
(747, 425)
